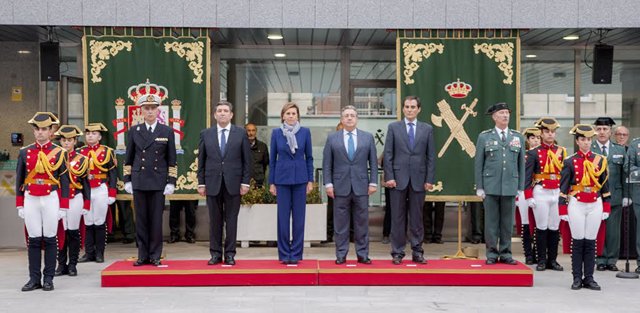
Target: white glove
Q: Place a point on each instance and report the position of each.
(128, 188)
(21, 212)
(85, 212)
(605, 216)
(520, 195)
(61, 214)
(531, 202)
(111, 200)
(169, 189)
(564, 218)
(480, 193)
(626, 202)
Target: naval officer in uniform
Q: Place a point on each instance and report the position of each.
(150, 173)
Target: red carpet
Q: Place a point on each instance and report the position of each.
(198, 273)
(435, 273)
(313, 272)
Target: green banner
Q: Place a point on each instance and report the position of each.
(119, 69)
(457, 80)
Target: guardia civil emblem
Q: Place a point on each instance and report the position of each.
(456, 90)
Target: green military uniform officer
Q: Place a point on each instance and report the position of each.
(615, 158)
(499, 176)
(632, 164)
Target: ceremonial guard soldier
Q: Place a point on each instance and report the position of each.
(542, 182)
(584, 203)
(632, 165)
(615, 155)
(79, 200)
(42, 198)
(150, 173)
(499, 176)
(102, 179)
(526, 218)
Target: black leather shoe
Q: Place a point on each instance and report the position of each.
(491, 261)
(61, 270)
(542, 265)
(364, 260)
(397, 260)
(73, 271)
(438, 241)
(591, 285)
(156, 262)
(293, 261)
(509, 261)
(475, 241)
(173, 239)
(99, 259)
(215, 260)
(601, 267)
(418, 259)
(86, 258)
(612, 267)
(638, 269)
(554, 265)
(127, 241)
(31, 285)
(229, 261)
(47, 286)
(190, 239)
(341, 261)
(285, 262)
(529, 260)
(577, 284)
(140, 262)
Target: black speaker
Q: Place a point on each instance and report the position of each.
(602, 64)
(49, 61)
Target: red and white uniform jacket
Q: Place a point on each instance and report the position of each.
(584, 177)
(543, 167)
(102, 167)
(78, 178)
(41, 170)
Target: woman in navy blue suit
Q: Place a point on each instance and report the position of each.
(290, 179)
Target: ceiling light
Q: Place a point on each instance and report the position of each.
(24, 51)
(279, 55)
(571, 37)
(531, 56)
(274, 36)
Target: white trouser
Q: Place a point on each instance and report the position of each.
(99, 206)
(546, 210)
(41, 214)
(523, 209)
(72, 220)
(584, 218)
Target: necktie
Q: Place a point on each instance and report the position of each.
(502, 136)
(223, 141)
(604, 150)
(150, 130)
(412, 136)
(351, 146)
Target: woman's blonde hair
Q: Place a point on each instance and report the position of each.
(288, 106)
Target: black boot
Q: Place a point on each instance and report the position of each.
(527, 245)
(589, 256)
(89, 245)
(101, 241)
(50, 252)
(34, 252)
(553, 238)
(577, 252)
(63, 269)
(541, 239)
(73, 239)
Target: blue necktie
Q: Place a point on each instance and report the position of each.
(223, 141)
(351, 150)
(412, 136)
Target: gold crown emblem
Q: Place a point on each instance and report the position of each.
(458, 89)
(147, 89)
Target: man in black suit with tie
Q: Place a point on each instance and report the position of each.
(150, 173)
(409, 168)
(224, 168)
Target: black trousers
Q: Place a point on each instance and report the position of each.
(175, 206)
(223, 212)
(386, 223)
(433, 220)
(149, 205)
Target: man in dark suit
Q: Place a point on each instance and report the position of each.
(409, 168)
(150, 173)
(224, 168)
(350, 173)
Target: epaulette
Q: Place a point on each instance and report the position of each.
(516, 131)
(571, 156)
(615, 144)
(487, 131)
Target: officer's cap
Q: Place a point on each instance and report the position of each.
(582, 130)
(69, 131)
(44, 119)
(497, 107)
(153, 100)
(95, 127)
(547, 122)
(606, 121)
